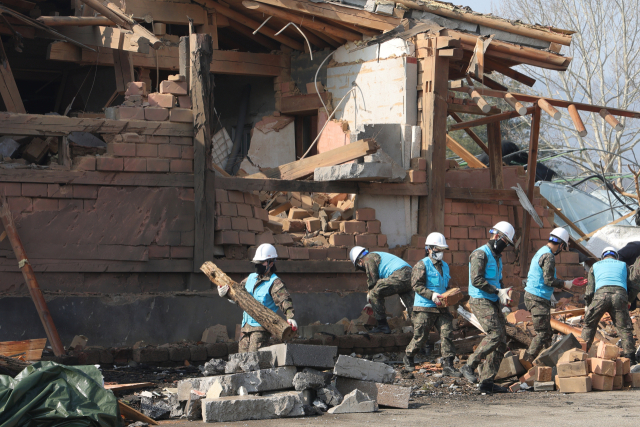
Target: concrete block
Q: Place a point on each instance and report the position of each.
(214, 367)
(601, 382)
(510, 367)
(384, 394)
(385, 8)
(607, 351)
(362, 369)
(181, 115)
(179, 354)
(198, 352)
(573, 369)
(309, 379)
(248, 362)
(550, 356)
(150, 354)
(544, 385)
(303, 355)
(330, 395)
(307, 332)
(602, 367)
(354, 172)
(164, 100)
(398, 173)
(356, 401)
(238, 408)
(574, 384)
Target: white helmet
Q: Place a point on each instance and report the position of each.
(561, 234)
(436, 239)
(609, 249)
(355, 253)
(504, 229)
(265, 252)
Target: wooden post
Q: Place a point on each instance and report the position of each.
(202, 103)
(531, 181)
(269, 320)
(435, 78)
(64, 153)
(30, 278)
(495, 155)
(8, 88)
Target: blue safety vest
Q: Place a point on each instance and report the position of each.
(610, 272)
(535, 278)
(388, 264)
(492, 273)
(262, 293)
(436, 282)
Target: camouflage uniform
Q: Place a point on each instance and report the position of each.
(255, 337)
(399, 282)
(489, 314)
(613, 300)
(424, 318)
(540, 308)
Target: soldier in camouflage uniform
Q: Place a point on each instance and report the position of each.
(487, 298)
(430, 279)
(610, 287)
(267, 288)
(387, 275)
(540, 283)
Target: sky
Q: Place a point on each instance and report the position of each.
(482, 6)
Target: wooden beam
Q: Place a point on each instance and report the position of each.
(102, 36)
(19, 4)
(488, 82)
(531, 181)
(122, 66)
(362, 30)
(123, 179)
(577, 121)
(166, 12)
(201, 49)
(510, 72)
(328, 40)
(612, 121)
(495, 155)
(549, 109)
(61, 51)
(8, 88)
(34, 124)
(339, 13)
(565, 219)
(303, 103)
(303, 186)
(305, 167)
(622, 218)
(470, 109)
(258, 38)
(472, 161)
(241, 18)
(515, 104)
(479, 100)
(469, 132)
(76, 21)
(435, 77)
(131, 414)
(486, 120)
(302, 21)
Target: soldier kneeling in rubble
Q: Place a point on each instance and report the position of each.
(430, 279)
(269, 290)
(609, 290)
(387, 275)
(540, 283)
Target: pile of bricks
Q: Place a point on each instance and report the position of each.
(159, 106)
(239, 217)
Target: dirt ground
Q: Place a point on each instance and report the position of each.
(602, 409)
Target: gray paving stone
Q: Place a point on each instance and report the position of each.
(363, 369)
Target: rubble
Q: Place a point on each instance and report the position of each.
(361, 369)
(356, 401)
(247, 362)
(255, 381)
(239, 408)
(384, 394)
(329, 395)
(302, 355)
(309, 379)
(214, 367)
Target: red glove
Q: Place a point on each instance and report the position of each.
(579, 281)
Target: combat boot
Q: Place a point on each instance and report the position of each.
(468, 374)
(632, 358)
(381, 328)
(409, 362)
(448, 370)
(490, 387)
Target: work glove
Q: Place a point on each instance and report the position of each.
(579, 281)
(568, 284)
(293, 323)
(435, 297)
(222, 290)
(368, 298)
(504, 296)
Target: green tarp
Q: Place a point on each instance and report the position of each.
(50, 394)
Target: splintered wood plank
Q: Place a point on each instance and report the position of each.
(8, 87)
(248, 64)
(472, 161)
(102, 36)
(131, 386)
(131, 414)
(32, 348)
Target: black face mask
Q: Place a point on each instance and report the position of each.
(360, 267)
(260, 269)
(498, 245)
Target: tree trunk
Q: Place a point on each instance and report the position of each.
(269, 320)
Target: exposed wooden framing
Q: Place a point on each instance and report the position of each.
(102, 36)
(555, 102)
(211, 28)
(61, 51)
(306, 166)
(123, 66)
(470, 109)
(565, 219)
(486, 120)
(19, 4)
(30, 278)
(515, 104)
(435, 77)
(258, 38)
(303, 103)
(531, 181)
(8, 88)
(302, 21)
(590, 235)
(374, 188)
(34, 124)
(549, 109)
(510, 72)
(123, 179)
(362, 30)
(472, 161)
(202, 105)
(612, 121)
(488, 82)
(577, 121)
(166, 12)
(495, 155)
(479, 100)
(76, 21)
(25, 31)
(469, 132)
(330, 41)
(239, 17)
(330, 11)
